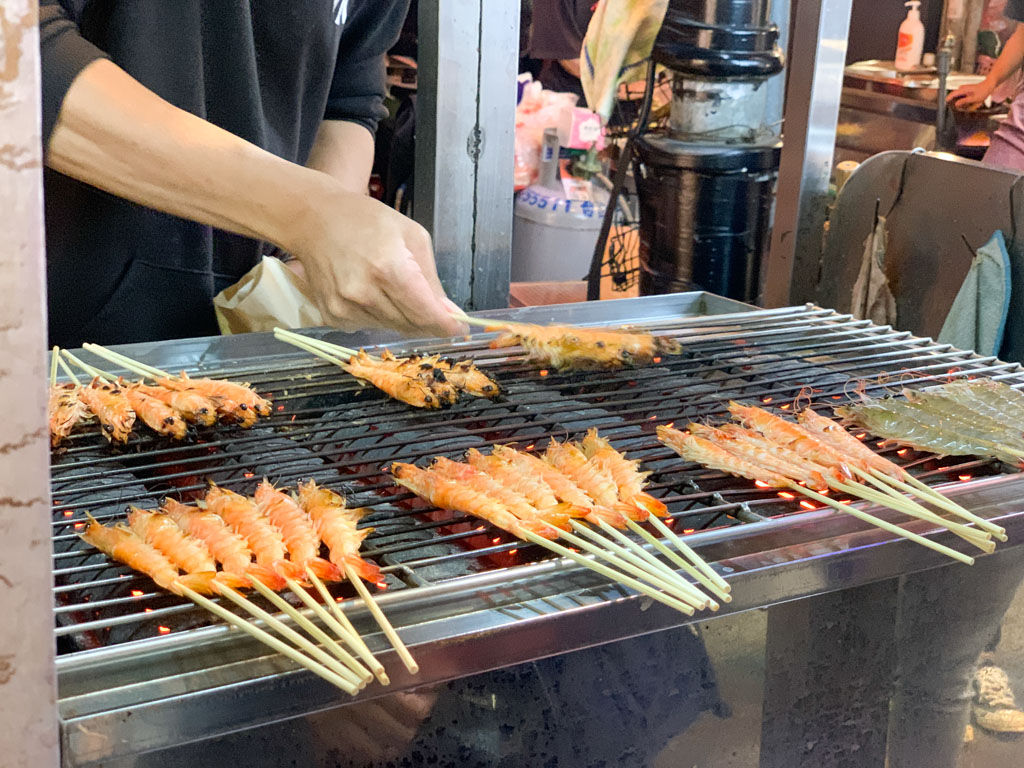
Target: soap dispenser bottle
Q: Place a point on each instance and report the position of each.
(910, 46)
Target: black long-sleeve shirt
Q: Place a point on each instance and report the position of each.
(269, 71)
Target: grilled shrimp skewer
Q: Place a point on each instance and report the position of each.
(625, 473)
(336, 525)
(296, 529)
(245, 519)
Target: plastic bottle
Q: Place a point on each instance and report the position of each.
(910, 45)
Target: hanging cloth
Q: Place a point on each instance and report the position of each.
(977, 319)
(872, 299)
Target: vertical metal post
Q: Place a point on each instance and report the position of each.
(28, 710)
(465, 129)
(816, 64)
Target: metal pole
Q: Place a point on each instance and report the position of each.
(28, 710)
(465, 130)
(817, 59)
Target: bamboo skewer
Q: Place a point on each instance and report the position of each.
(911, 484)
(382, 621)
(290, 337)
(304, 344)
(357, 642)
(267, 639)
(683, 547)
(883, 524)
(96, 373)
(54, 357)
(659, 544)
(290, 634)
(360, 674)
(68, 372)
(605, 571)
(128, 363)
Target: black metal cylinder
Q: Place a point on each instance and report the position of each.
(705, 215)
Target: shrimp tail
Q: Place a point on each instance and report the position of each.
(610, 516)
(366, 570)
(289, 570)
(575, 510)
(266, 576)
(650, 505)
(201, 582)
(539, 528)
(325, 569)
(631, 511)
(558, 515)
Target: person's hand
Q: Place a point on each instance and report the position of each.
(377, 731)
(368, 266)
(970, 97)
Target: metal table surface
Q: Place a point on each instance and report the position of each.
(129, 699)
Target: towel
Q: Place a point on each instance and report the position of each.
(977, 319)
(618, 41)
(872, 300)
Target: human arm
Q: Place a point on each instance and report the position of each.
(973, 96)
(343, 150)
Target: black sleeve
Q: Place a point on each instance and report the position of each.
(359, 84)
(1014, 10)
(63, 53)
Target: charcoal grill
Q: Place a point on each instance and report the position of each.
(140, 670)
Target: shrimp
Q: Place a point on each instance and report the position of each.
(462, 374)
(125, 546)
(714, 456)
(245, 519)
(536, 491)
(424, 369)
(156, 414)
(229, 549)
(901, 422)
(234, 401)
(969, 422)
(336, 525)
(750, 446)
(833, 433)
(568, 347)
(564, 488)
(452, 495)
(792, 436)
(998, 400)
(597, 482)
(297, 529)
(514, 502)
(191, 406)
(407, 389)
(110, 405)
(161, 532)
(66, 409)
(625, 473)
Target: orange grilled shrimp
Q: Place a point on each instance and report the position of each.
(564, 488)
(791, 436)
(597, 482)
(336, 525)
(66, 409)
(536, 491)
(625, 472)
(453, 495)
(191, 406)
(233, 401)
(835, 435)
(124, 546)
(161, 532)
(713, 456)
(752, 447)
(513, 500)
(407, 389)
(462, 374)
(243, 517)
(110, 405)
(227, 547)
(566, 346)
(155, 414)
(297, 529)
(424, 369)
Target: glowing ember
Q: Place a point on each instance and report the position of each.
(787, 495)
(837, 397)
(807, 505)
(381, 584)
(163, 630)
(136, 593)
(69, 513)
(964, 478)
(250, 474)
(846, 501)
(147, 610)
(543, 372)
(280, 407)
(785, 406)
(761, 484)
(651, 418)
(688, 530)
(513, 551)
(862, 435)
(656, 359)
(531, 446)
(79, 526)
(670, 424)
(496, 540)
(880, 443)
(902, 452)
(292, 418)
(482, 528)
(766, 399)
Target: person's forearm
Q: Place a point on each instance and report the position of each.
(344, 151)
(1010, 59)
(115, 134)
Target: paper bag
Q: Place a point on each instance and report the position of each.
(269, 295)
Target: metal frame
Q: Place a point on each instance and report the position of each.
(817, 60)
(465, 130)
(28, 721)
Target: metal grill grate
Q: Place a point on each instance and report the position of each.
(327, 427)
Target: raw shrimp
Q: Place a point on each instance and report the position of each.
(901, 422)
(297, 529)
(161, 532)
(191, 406)
(514, 502)
(833, 433)
(751, 447)
(110, 405)
(156, 414)
(1000, 401)
(66, 409)
(625, 472)
(969, 422)
(336, 525)
(124, 546)
(713, 456)
(224, 544)
(245, 519)
(791, 436)
(408, 389)
(452, 495)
